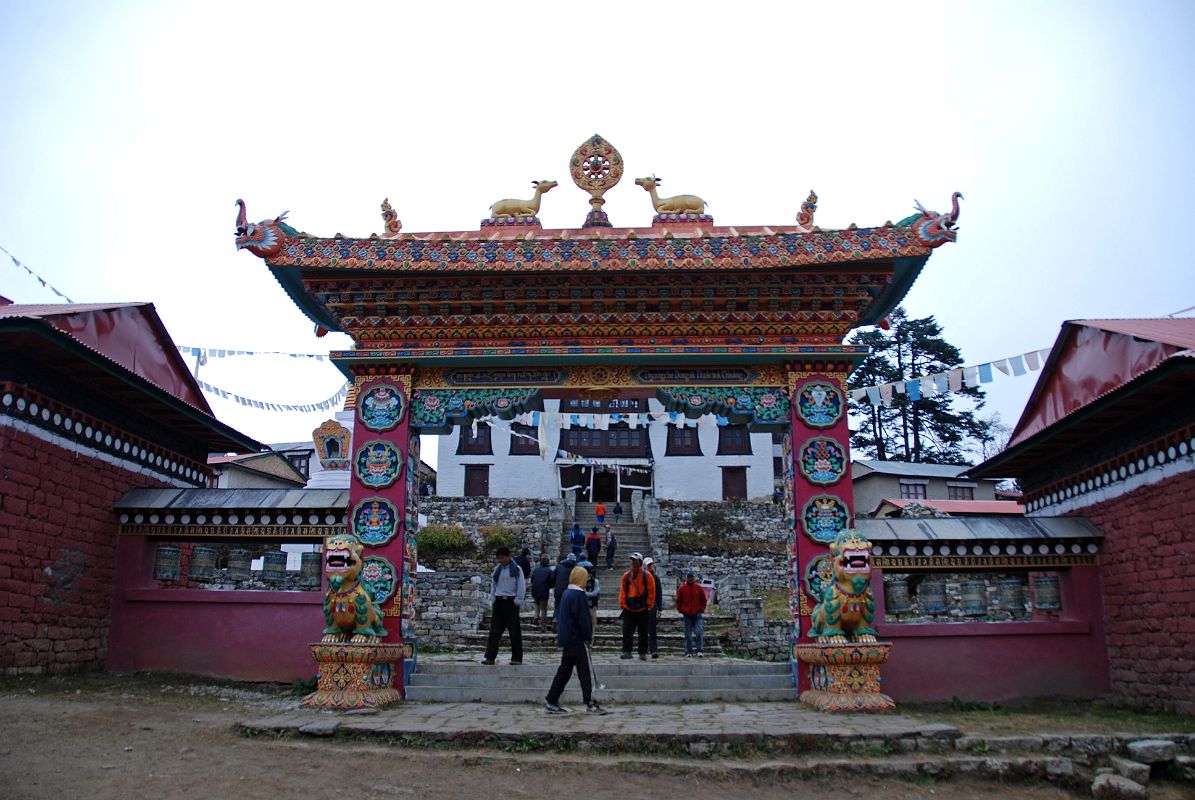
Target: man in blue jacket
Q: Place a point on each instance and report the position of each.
(541, 587)
(560, 576)
(574, 632)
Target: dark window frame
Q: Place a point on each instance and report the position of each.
(683, 441)
(520, 445)
(483, 445)
(734, 440)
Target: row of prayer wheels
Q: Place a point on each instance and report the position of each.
(204, 560)
(974, 601)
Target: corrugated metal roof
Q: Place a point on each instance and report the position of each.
(235, 498)
(37, 311)
(911, 470)
(1178, 331)
(971, 529)
(962, 506)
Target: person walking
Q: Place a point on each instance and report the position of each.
(574, 632)
(560, 582)
(524, 562)
(653, 612)
(508, 589)
(611, 547)
(617, 511)
(541, 588)
(576, 541)
(593, 544)
(690, 602)
(636, 594)
(593, 591)
(599, 512)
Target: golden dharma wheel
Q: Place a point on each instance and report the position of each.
(596, 166)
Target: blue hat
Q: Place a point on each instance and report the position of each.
(587, 564)
(571, 557)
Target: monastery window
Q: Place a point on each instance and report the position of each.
(734, 440)
(954, 492)
(913, 490)
(617, 441)
(523, 440)
(478, 445)
(301, 461)
(682, 442)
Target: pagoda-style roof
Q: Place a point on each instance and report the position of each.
(681, 287)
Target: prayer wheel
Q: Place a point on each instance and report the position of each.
(203, 562)
(975, 598)
(167, 561)
(1047, 595)
(896, 595)
(1012, 595)
(239, 563)
(931, 597)
(273, 566)
(309, 568)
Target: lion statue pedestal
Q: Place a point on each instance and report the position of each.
(356, 675)
(845, 660)
(356, 668)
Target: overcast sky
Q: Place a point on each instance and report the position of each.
(128, 129)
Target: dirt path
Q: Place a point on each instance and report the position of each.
(102, 737)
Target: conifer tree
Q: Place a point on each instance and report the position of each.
(938, 429)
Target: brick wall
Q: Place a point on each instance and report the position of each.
(57, 550)
(1148, 570)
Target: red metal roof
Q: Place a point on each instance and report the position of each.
(1178, 331)
(960, 506)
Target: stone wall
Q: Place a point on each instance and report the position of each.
(1148, 569)
(57, 552)
(754, 636)
(451, 604)
(765, 573)
(538, 525)
(761, 520)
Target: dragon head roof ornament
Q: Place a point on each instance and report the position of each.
(262, 239)
(936, 229)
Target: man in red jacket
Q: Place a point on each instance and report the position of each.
(690, 602)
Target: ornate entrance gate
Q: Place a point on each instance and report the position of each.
(746, 322)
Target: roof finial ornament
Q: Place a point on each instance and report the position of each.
(678, 208)
(596, 167)
(805, 215)
(513, 211)
(936, 229)
(393, 223)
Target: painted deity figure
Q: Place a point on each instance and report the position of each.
(374, 523)
(381, 408)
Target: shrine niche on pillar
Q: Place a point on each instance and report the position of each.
(745, 321)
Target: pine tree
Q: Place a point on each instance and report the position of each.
(934, 429)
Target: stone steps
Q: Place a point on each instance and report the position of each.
(668, 681)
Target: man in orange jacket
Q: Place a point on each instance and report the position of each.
(690, 602)
(636, 595)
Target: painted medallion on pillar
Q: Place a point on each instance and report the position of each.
(378, 464)
(819, 573)
(822, 461)
(819, 404)
(824, 517)
(382, 406)
(379, 579)
(375, 521)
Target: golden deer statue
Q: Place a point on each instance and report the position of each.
(678, 204)
(522, 208)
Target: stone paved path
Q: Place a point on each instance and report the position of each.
(725, 721)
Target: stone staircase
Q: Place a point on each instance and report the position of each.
(632, 536)
(669, 680)
(607, 638)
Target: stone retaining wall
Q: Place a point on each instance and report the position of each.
(538, 525)
(450, 605)
(764, 521)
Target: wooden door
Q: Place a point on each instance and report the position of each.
(477, 480)
(734, 483)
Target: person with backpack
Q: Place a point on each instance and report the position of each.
(690, 602)
(593, 544)
(653, 613)
(573, 635)
(541, 588)
(576, 541)
(617, 511)
(593, 591)
(636, 594)
(611, 547)
(507, 591)
(560, 581)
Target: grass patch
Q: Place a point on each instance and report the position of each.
(775, 605)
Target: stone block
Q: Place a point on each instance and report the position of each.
(1060, 769)
(1093, 744)
(1116, 787)
(320, 727)
(1133, 770)
(1153, 751)
(1183, 768)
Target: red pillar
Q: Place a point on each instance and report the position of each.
(820, 495)
(378, 494)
